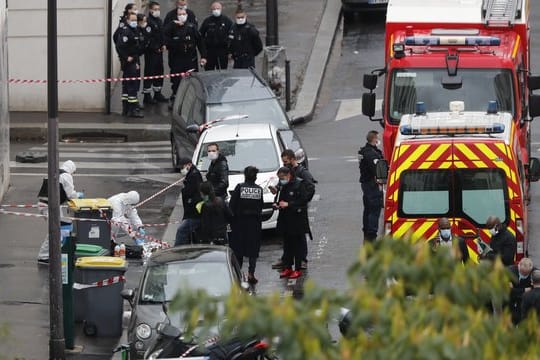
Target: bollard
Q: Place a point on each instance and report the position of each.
(68, 265)
(287, 85)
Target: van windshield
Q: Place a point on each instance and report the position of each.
(479, 86)
(266, 111)
(474, 194)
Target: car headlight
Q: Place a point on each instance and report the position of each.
(143, 331)
(154, 355)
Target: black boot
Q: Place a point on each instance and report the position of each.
(134, 111)
(148, 99)
(158, 97)
(124, 107)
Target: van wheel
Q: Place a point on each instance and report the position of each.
(174, 156)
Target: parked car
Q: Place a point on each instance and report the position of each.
(206, 96)
(349, 7)
(243, 145)
(212, 268)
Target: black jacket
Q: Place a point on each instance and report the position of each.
(218, 175)
(155, 34)
(214, 31)
(183, 39)
(128, 44)
(246, 205)
(531, 300)
(144, 38)
(293, 219)
(368, 156)
(504, 245)
(300, 172)
(244, 40)
(516, 292)
(191, 194)
(172, 15)
(215, 215)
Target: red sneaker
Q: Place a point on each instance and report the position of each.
(286, 273)
(295, 274)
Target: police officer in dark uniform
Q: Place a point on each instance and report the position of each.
(153, 56)
(129, 50)
(246, 205)
(181, 5)
(182, 40)
(214, 31)
(244, 42)
(369, 155)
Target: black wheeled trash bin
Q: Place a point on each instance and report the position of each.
(90, 231)
(101, 279)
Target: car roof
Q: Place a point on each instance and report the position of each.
(223, 86)
(191, 253)
(238, 132)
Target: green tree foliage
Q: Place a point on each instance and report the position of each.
(407, 302)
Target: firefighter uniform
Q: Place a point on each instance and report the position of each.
(244, 44)
(182, 41)
(128, 45)
(214, 31)
(153, 59)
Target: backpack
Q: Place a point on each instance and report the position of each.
(44, 190)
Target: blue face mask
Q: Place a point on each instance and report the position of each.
(132, 24)
(283, 181)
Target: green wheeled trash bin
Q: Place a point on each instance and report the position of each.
(101, 279)
(94, 229)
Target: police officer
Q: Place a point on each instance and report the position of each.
(214, 31)
(246, 206)
(369, 155)
(182, 40)
(153, 56)
(181, 5)
(129, 49)
(244, 41)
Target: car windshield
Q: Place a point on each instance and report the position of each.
(474, 194)
(478, 87)
(242, 153)
(266, 111)
(162, 282)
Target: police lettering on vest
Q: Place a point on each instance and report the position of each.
(250, 193)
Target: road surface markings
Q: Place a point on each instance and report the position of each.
(349, 108)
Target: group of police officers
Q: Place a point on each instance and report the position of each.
(217, 40)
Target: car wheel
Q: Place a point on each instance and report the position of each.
(174, 156)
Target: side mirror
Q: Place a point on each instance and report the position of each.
(344, 321)
(452, 82)
(128, 294)
(534, 106)
(368, 104)
(381, 171)
(533, 82)
(192, 129)
(370, 81)
(534, 169)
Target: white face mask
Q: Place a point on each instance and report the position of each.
(493, 231)
(216, 12)
(132, 24)
(213, 155)
(184, 171)
(156, 13)
(378, 143)
(240, 21)
(182, 18)
(445, 234)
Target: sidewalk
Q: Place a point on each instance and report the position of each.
(305, 25)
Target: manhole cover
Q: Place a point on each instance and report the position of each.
(102, 137)
(31, 157)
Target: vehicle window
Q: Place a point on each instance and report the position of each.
(187, 105)
(180, 93)
(425, 193)
(242, 153)
(267, 111)
(163, 282)
(479, 87)
(197, 116)
(482, 193)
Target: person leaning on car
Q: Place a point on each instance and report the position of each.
(218, 171)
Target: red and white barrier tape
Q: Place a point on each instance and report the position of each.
(102, 283)
(160, 192)
(94, 81)
(24, 206)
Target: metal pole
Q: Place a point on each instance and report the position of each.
(56, 337)
(287, 85)
(271, 23)
(108, 61)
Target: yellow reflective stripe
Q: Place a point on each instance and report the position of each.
(479, 164)
(415, 155)
(487, 151)
(467, 152)
(438, 152)
(460, 164)
(421, 231)
(473, 255)
(400, 232)
(516, 45)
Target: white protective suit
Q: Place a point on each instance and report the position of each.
(66, 179)
(124, 214)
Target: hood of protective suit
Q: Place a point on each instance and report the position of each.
(132, 198)
(69, 167)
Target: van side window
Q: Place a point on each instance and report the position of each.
(187, 105)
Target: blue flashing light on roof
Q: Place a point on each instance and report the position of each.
(452, 40)
(420, 108)
(492, 107)
(494, 128)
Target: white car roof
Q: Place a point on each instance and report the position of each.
(239, 131)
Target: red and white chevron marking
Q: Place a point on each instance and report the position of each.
(101, 283)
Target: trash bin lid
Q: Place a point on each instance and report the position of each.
(101, 262)
(89, 250)
(89, 204)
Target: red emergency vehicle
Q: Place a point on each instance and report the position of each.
(438, 51)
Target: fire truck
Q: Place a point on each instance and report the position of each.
(463, 165)
(438, 51)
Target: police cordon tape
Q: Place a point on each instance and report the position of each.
(96, 81)
(102, 283)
